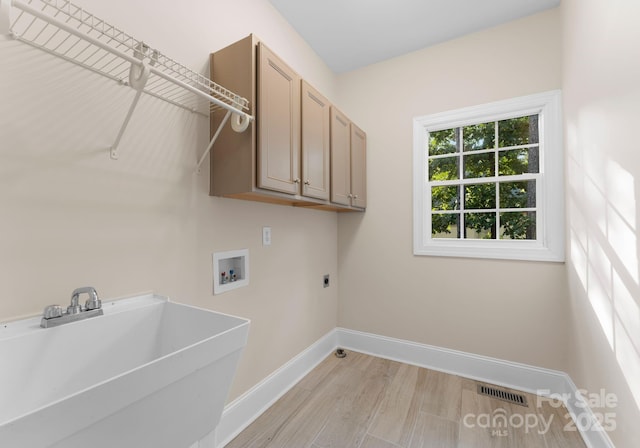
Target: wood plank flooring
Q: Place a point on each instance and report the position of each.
(365, 402)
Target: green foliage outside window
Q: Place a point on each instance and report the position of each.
(458, 146)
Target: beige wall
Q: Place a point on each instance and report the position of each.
(509, 310)
(70, 216)
(602, 95)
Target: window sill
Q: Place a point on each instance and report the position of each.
(490, 250)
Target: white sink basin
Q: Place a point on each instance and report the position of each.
(149, 373)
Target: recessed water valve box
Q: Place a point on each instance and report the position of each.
(230, 270)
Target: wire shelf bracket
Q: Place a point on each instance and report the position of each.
(67, 31)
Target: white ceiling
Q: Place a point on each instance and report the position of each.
(350, 34)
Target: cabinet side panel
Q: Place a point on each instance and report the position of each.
(315, 143)
(233, 154)
(358, 167)
(278, 124)
(340, 163)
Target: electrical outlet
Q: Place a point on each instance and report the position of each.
(266, 236)
(325, 281)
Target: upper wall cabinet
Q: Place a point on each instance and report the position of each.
(358, 167)
(285, 157)
(348, 162)
(340, 158)
(316, 132)
(279, 125)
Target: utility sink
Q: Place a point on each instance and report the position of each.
(148, 373)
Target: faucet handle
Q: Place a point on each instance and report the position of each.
(52, 311)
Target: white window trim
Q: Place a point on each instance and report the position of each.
(550, 199)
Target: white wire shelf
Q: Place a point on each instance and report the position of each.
(66, 30)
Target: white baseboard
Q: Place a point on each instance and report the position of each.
(509, 374)
(242, 411)
(245, 409)
(586, 421)
(502, 373)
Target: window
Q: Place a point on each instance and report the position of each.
(488, 181)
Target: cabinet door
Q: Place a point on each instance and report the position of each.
(340, 158)
(278, 121)
(358, 167)
(315, 143)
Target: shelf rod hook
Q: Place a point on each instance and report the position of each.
(213, 140)
(240, 123)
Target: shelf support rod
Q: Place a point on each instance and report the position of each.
(213, 140)
(114, 148)
(5, 16)
(138, 77)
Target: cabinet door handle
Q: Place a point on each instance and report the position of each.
(296, 181)
(349, 195)
(307, 182)
(355, 196)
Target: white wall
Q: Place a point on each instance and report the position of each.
(509, 310)
(602, 95)
(70, 216)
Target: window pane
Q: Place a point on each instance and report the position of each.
(518, 194)
(445, 198)
(479, 196)
(518, 161)
(443, 168)
(518, 226)
(443, 142)
(480, 226)
(479, 136)
(445, 225)
(479, 165)
(518, 131)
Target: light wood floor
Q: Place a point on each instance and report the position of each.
(366, 402)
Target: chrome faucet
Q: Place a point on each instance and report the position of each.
(92, 303)
(54, 315)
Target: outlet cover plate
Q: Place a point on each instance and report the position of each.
(266, 236)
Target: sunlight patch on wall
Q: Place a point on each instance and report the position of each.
(578, 226)
(623, 241)
(578, 254)
(627, 334)
(595, 206)
(627, 311)
(601, 303)
(600, 263)
(592, 144)
(629, 360)
(603, 238)
(620, 188)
